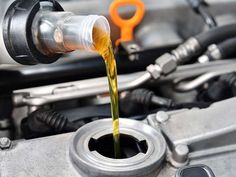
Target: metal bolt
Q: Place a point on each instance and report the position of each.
(162, 116)
(5, 143)
(180, 153)
(131, 49)
(203, 59)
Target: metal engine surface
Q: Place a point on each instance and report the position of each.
(194, 136)
(202, 131)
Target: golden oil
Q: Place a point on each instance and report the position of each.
(103, 45)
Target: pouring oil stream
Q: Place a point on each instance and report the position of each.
(103, 45)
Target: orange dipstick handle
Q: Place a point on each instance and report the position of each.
(126, 25)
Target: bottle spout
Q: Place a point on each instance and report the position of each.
(61, 32)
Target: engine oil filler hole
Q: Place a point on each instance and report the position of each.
(129, 146)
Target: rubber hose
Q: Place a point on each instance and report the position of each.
(147, 97)
(227, 48)
(230, 79)
(54, 120)
(216, 35)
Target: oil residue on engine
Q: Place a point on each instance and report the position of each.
(103, 45)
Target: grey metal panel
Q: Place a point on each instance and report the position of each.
(195, 126)
(45, 157)
(220, 160)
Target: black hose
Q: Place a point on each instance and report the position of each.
(58, 122)
(139, 101)
(216, 35)
(147, 97)
(230, 80)
(141, 96)
(227, 48)
(44, 122)
(223, 50)
(196, 45)
(51, 118)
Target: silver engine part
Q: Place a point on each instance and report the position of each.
(91, 163)
(39, 96)
(172, 139)
(195, 136)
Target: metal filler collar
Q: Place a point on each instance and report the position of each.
(93, 164)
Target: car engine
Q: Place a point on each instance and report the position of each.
(176, 73)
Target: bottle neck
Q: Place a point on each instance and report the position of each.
(61, 32)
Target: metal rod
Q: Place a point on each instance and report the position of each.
(38, 100)
(92, 87)
(191, 85)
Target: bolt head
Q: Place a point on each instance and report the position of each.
(162, 116)
(180, 153)
(182, 149)
(179, 156)
(5, 143)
